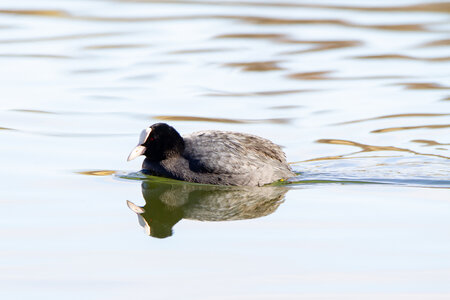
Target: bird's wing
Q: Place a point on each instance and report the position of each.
(223, 152)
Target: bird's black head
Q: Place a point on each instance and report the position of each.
(158, 142)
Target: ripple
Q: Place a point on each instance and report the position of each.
(246, 19)
(252, 36)
(324, 75)
(437, 43)
(257, 66)
(97, 172)
(318, 75)
(200, 51)
(141, 77)
(410, 115)
(115, 46)
(106, 98)
(92, 71)
(408, 171)
(322, 46)
(36, 12)
(85, 113)
(430, 143)
(52, 56)
(285, 106)
(111, 88)
(63, 37)
(223, 120)
(69, 134)
(251, 94)
(440, 126)
(404, 57)
(284, 39)
(337, 22)
(401, 27)
(365, 148)
(437, 7)
(34, 111)
(423, 86)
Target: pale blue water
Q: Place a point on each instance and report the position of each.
(357, 97)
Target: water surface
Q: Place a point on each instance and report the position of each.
(357, 94)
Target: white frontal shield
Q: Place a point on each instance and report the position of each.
(139, 149)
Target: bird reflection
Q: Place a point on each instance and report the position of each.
(168, 203)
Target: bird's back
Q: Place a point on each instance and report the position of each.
(236, 158)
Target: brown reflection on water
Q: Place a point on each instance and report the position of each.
(440, 7)
(404, 57)
(423, 86)
(34, 111)
(246, 19)
(411, 128)
(365, 148)
(281, 38)
(324, 75)
(36, 12)
(437, 43)
(97, 172)
(337, 22)
(323, 46)
(277, 21)
(257, 66)
(430, 143)
(222, 120)
(402, 27)
(319, 75)
(411, 115)
(250, 94)
(115, 46)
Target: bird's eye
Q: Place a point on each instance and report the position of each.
(152, 139)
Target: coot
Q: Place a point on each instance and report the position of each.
(211, 157)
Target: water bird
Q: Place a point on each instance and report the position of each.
(211, 157)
